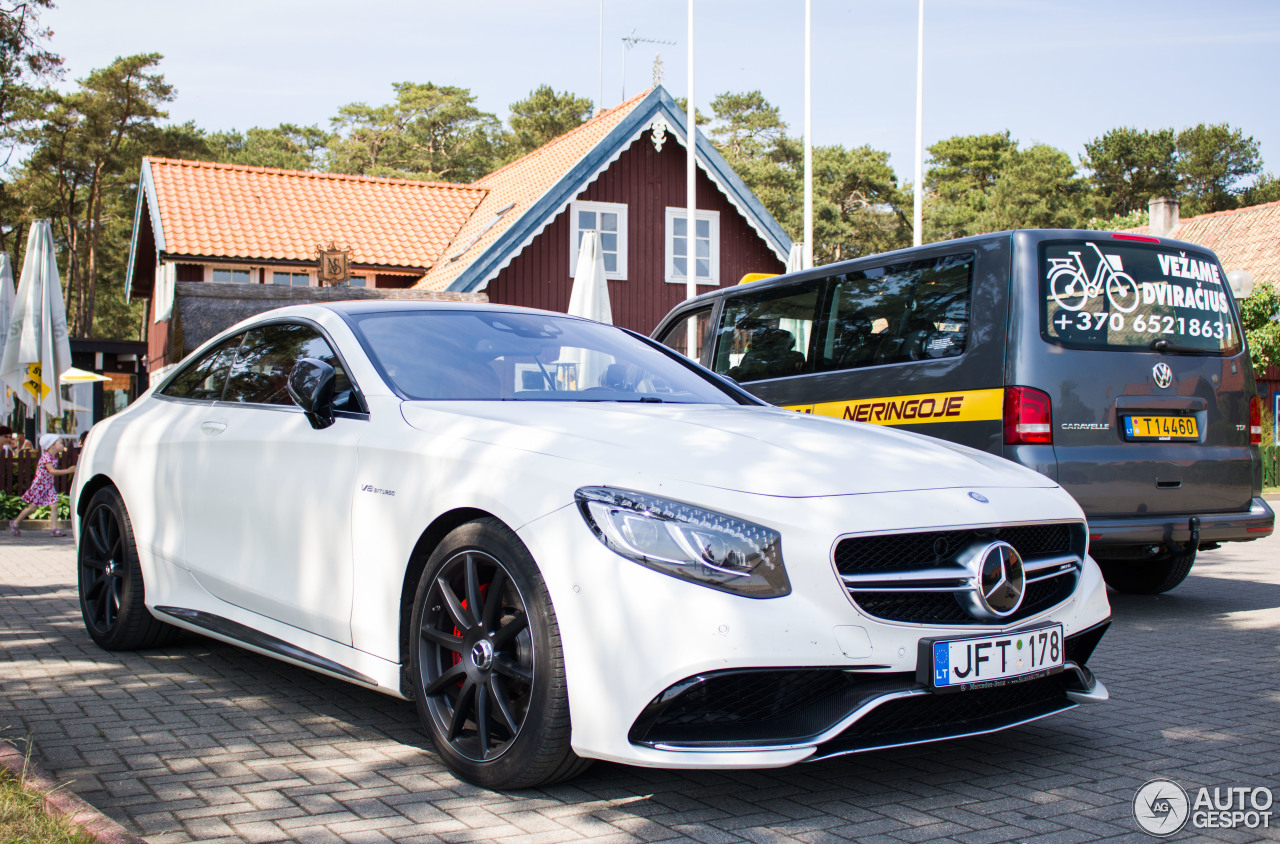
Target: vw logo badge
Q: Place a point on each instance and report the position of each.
(979, 497)
(1163, 374)
(996, 582)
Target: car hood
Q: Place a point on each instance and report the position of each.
(766, 451)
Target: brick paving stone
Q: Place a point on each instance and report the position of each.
(205, 742)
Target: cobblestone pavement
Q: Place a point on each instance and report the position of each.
(204, 742)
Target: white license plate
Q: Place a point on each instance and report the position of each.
(996, 660)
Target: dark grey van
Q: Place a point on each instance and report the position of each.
(1112, 363)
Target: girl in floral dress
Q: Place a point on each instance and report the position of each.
(42, 492)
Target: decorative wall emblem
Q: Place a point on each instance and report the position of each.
(658, 133)
(334, 265)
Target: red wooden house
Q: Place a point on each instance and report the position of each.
(510, 237)
(622, 173)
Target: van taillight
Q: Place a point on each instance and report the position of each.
(1255, 421)
(1028, 417)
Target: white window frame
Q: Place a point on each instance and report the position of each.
(610, 207)
(669, 230)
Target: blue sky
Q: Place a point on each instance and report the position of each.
(1059, 73)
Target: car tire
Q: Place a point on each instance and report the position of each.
(1147, 577)
(112, 592)
(490, 687)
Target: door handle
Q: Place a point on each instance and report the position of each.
(213, 428)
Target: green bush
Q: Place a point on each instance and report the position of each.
(11, 506)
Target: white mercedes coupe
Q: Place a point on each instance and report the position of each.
(565, 542)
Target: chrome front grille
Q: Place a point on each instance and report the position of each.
(918, 577)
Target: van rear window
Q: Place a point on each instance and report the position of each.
(1100, 294)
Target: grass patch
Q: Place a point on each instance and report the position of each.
(23, 819)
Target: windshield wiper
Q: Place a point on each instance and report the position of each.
(1162, 345)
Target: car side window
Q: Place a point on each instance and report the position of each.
(204, 379)
(917, 310)
(677, 336)
(266, 359)
(766, 334)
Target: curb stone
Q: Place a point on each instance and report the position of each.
(38, 524)
(60, 802)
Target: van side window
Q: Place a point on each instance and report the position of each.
(767, 334)
(677, 336)
(917, 310)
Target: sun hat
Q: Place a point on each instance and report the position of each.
(47, 441)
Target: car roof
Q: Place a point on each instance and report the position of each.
(367, 306)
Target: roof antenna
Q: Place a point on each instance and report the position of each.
(629, 41)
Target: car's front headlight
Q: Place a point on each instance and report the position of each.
(687, 542)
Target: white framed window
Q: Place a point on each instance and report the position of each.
(706, 251)
(293, 279)
(358, 281)
(233, 275)
(608, 218)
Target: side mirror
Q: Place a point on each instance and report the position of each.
(311, 388)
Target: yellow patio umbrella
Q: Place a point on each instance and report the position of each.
(72, 375)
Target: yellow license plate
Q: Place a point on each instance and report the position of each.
(1161, 428)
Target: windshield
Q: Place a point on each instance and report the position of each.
(495, 356)
(1103, 294)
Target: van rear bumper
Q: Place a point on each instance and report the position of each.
(1255, 523)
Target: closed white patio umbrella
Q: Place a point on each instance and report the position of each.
(589, 298)
(6, 309)
(795, 258)
(590, 295)
(37, 348)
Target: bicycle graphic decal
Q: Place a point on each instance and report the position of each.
(1107, 295)
(1073, 287)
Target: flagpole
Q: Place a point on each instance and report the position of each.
(807, 260)
(600, 96)
(691, 184)
(918, 212)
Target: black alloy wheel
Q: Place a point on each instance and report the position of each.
(479, 664)
(486, 662)
(112, 594)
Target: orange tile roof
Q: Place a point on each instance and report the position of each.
(520, 184)
(233, 211)
(1243, 238)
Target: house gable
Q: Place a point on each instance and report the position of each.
(648, 183)
(629, 122)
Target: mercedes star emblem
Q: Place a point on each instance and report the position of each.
(997, 581)
(1163, 374)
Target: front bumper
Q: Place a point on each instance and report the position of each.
(629, 633)
(837, 711)
(1255, 523)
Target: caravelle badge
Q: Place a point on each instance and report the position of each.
(334, 265)
(1162, 374)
